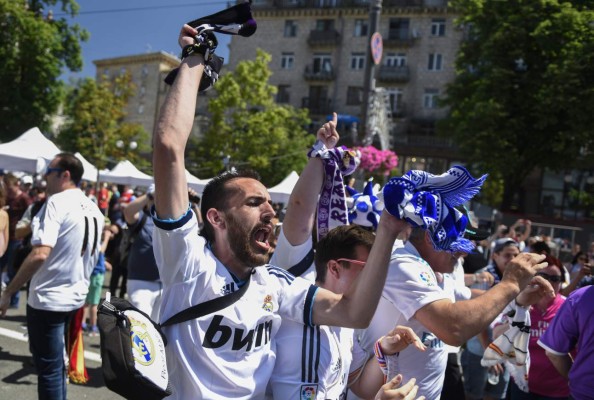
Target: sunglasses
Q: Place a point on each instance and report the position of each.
(550, 278)
(49, 170)
(356, 262)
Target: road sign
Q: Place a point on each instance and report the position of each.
(377, 48)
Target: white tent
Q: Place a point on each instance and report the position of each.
(125, 173)
(30, 152)
(281, 192)
(90, 173)
(196, 183)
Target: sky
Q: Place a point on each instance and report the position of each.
(128, 27)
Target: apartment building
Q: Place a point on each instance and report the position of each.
(318, 50)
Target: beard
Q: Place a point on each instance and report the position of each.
(241, 242)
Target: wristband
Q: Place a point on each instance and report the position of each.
(193, 49)
(379, 355)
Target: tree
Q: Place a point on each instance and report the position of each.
(249, 127)
(34, 49)
(95, 114)
(523, 95)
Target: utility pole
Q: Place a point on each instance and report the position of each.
(375, 9)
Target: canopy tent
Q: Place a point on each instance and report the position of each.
(90, 173)
(30, 152)
(196, 183)
(281, 192)
(125, 173)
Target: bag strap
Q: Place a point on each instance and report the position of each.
(302, 266)
(208, 307)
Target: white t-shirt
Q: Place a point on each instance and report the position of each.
(230, 353)
(410, 285)
(454, 283)
(71, 225)
(311, 362)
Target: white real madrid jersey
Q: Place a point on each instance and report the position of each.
(230, 353)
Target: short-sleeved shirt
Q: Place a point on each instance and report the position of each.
(230, 353)
(311, 362)
(543, 378)
(71, 225)
(410, 285)
(573, 327)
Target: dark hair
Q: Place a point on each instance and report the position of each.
(340, 242)
(216, 193)
(69, 162)
(578, 255)
(557, 263)
(540, 247)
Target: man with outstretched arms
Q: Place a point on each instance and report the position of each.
(230, 353)
(414, 295)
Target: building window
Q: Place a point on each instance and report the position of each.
(438, 26)
(395, 59)
(322, 62)
(357, 61)
(287, 60)
(141, 108)
(354, 96)
(434, 62)
(361, 28)
(283, 95)
(399, 28)
(430, 98)
(290, 28)
(144, 70)
(324, 25)
(396, 102)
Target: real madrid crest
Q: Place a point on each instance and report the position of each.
(268, 306)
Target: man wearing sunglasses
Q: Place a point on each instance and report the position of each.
(66, 243)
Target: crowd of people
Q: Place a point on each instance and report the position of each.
(405, 307)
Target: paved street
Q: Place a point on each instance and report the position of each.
(18, 379)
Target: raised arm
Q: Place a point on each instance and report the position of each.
(172, 131)
(299, 219)
(356, 306)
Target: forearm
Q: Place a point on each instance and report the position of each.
(170, 137)
(369, 382)
(562, 363)
(299, 219)
(133, 208)
(455, 323)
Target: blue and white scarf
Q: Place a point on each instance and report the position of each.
(428, 201)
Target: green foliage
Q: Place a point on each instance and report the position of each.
(34, 50)
(251, 128)
(524, 91)
(95, 113)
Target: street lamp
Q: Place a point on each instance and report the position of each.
(132, 145)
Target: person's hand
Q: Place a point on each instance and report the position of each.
(4, 303)
(396, 225)
(538, 289)
(328, 134)
(522, 268)
(585, 270)
(187, 35)
(391, 391)
(497, 369)
(398, 339)
(485, 278)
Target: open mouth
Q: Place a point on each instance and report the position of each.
(261, 237)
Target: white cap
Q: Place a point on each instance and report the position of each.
(27, 180)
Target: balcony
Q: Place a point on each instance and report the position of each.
(394, 74)
(317, 38)
(399, 41)
(316, 105)
(312, 73)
